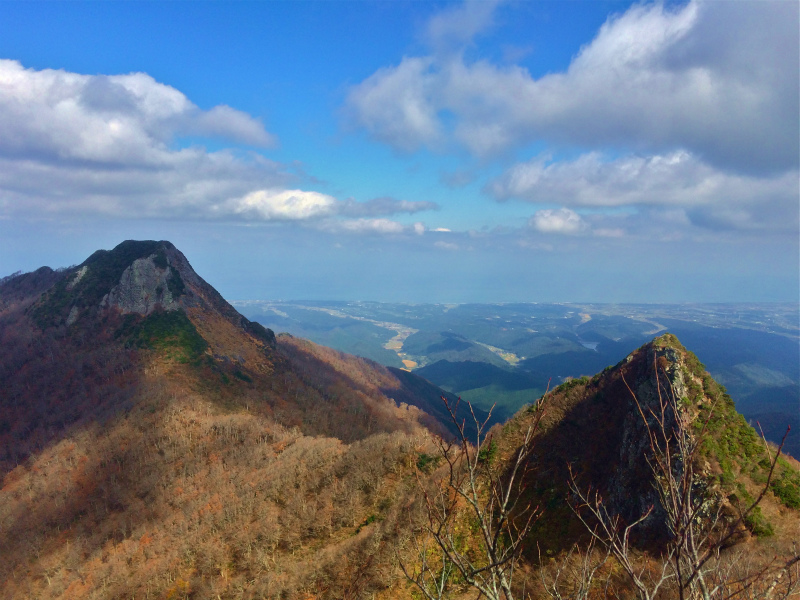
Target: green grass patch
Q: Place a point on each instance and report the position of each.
(170, 332)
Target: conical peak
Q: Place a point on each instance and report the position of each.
(134, 277)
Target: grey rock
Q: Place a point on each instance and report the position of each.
(142, 288)
(73, 315)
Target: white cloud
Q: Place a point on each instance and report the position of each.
(561, 221)
(289, 205)
(377, 207)
(672, 180)
(104, 145)
(718, 79)
(419, 228)
(457, 25)
(394, 106)
(616, 232)
(362, 226)
(442, 229)
(226, 122)
(54, 115)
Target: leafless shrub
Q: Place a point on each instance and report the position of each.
(695, 562)
(471, 504)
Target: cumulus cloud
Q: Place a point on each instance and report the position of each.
(288, 205)
(192, 183)
(714, 197)
(459, 24)
(55, 115)
(718, 79)
(394, 106)
(106, 145)
(676, 178)
(560, 221)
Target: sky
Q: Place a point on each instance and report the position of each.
(522, 151)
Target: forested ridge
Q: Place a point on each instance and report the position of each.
(156, 444)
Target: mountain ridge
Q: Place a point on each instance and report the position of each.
(159, 444)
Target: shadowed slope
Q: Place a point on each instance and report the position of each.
(156, 443)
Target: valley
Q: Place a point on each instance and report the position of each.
(509, 353)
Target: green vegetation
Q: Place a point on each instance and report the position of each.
(508, 401)
(368, 521)
(786, 485)
(160, 259)
(53, 306)
(487, 452)
(170, 331)
(260, 332)
(175, 284)
(427, 462)
(241, 375)
(732, 442)
(105, 267)
(758, 524)
(572, 383)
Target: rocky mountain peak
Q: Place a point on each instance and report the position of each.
(146, 284)
(136, 278)
(598, 433)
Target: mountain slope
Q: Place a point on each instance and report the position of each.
(597, 429)
(155, 443)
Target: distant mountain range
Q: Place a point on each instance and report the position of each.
(154, 442)
(508, 353)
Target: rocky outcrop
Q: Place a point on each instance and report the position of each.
(135, 278)
(596, 436)
(143, 287)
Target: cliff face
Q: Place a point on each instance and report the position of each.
(142, 287)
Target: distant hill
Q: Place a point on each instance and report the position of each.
(483, 351)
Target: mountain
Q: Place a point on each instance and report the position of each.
(505, 354)
(155, 443)
(595, 437)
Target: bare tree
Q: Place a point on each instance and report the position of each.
(694, 563)
(473, 503)
(574, 576)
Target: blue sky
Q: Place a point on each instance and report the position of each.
(411, 151)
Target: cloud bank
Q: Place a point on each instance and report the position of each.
(73, 144)
(717, 79)
(711, 197)
(690, 108)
